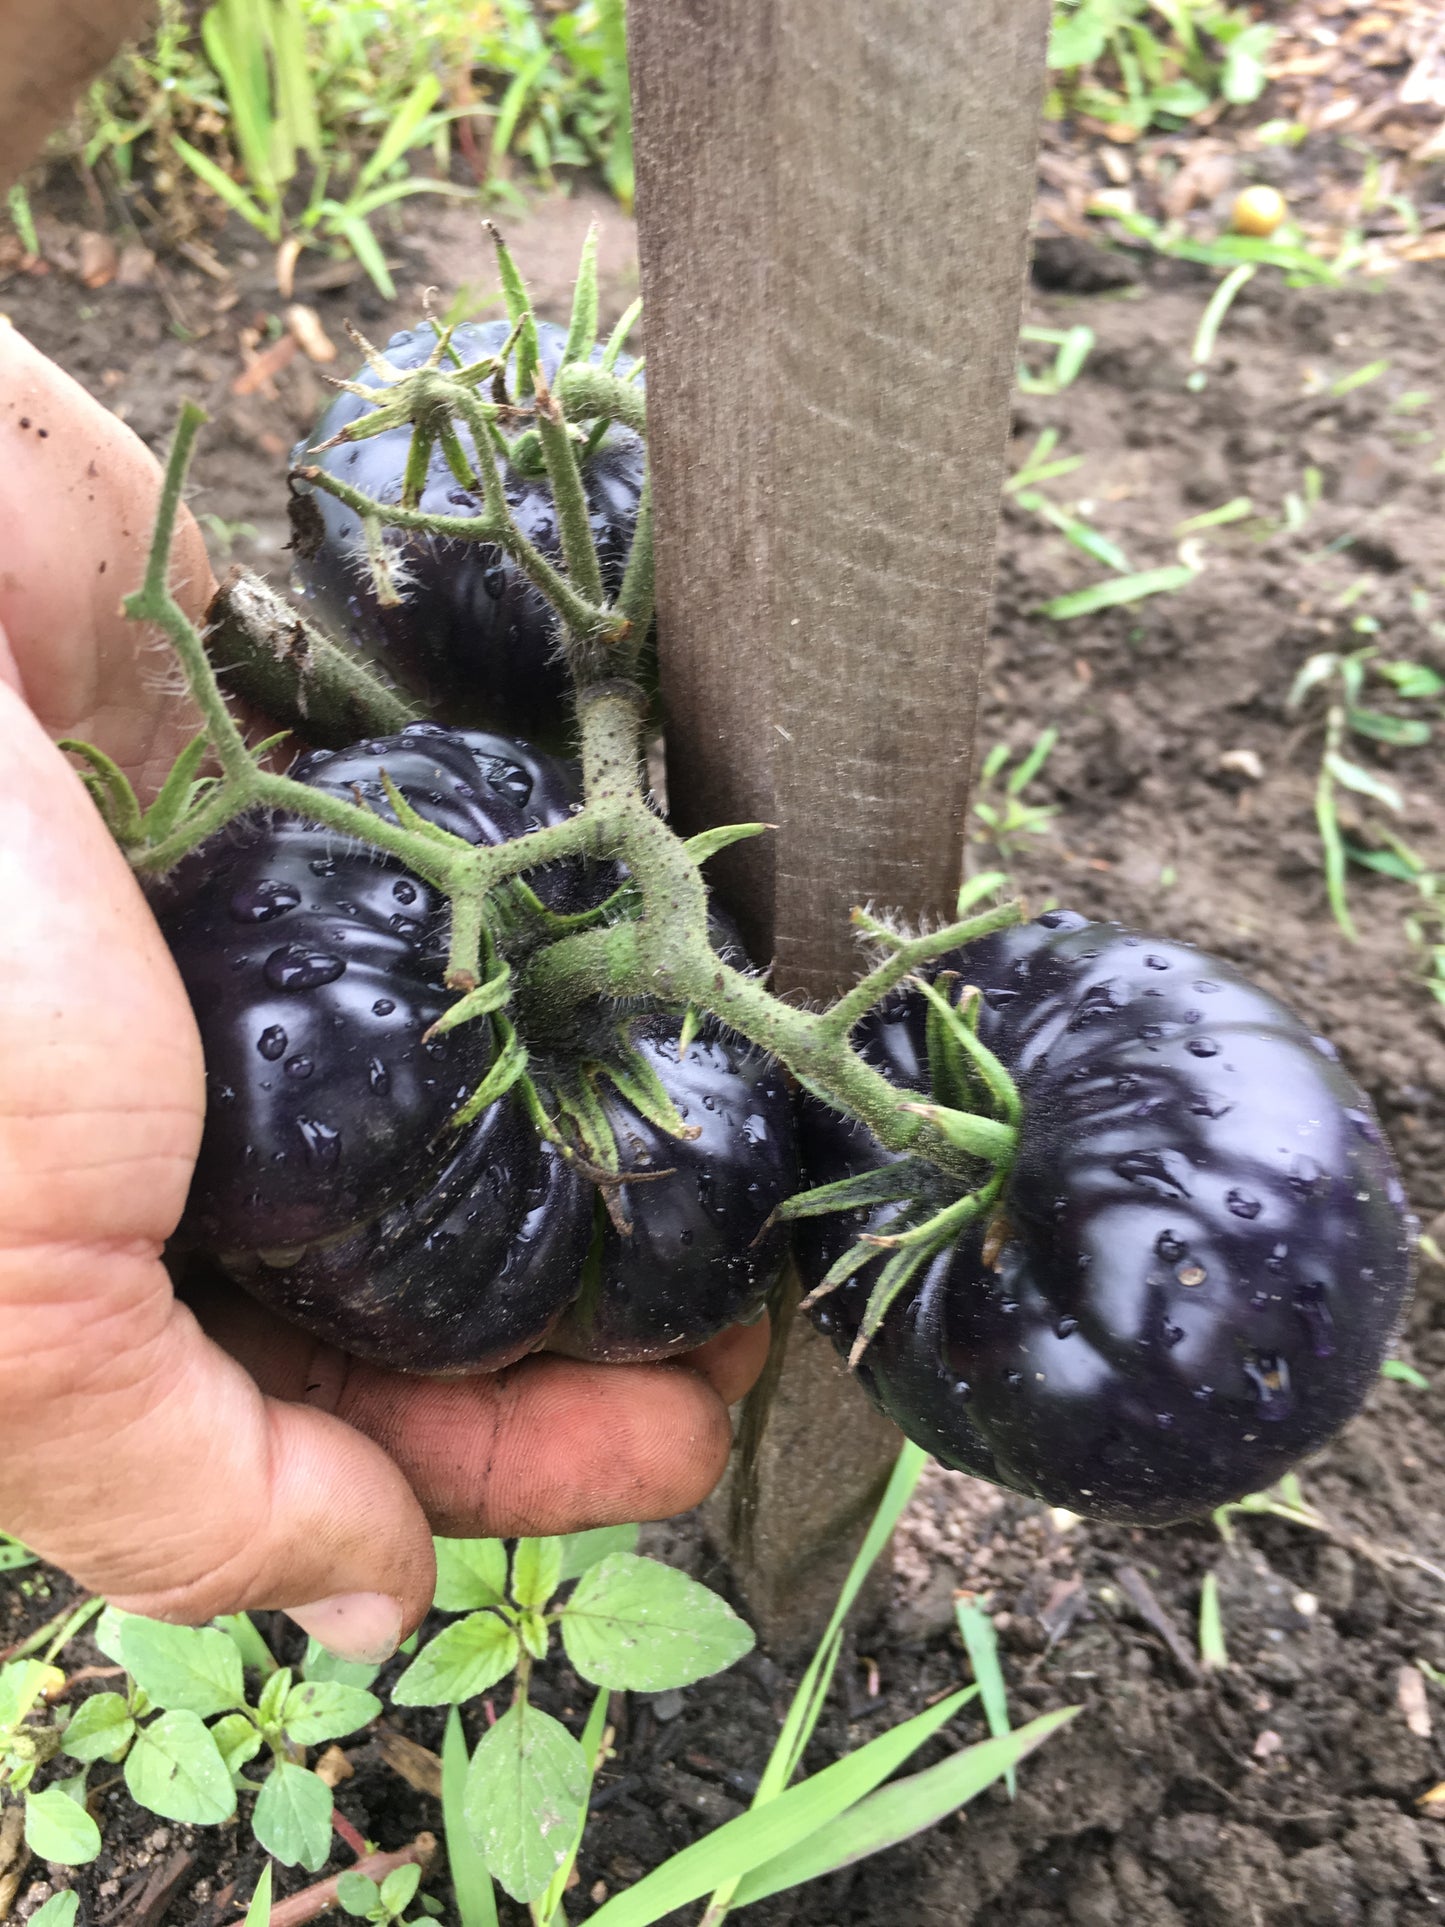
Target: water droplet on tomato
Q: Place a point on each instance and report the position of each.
(1066, 1327)
(1202, 1047)
(272, 1043)
(1000, 999)
(1209, 1104)
(405, 926)
(1304, 1174)
(1312, 1303)
(1170, 1248)
(1324, 1047)
(494, 580)
(383, 1007)
(404, 890)
(299, 1067)
(323, 1144)
(1243, 1205)
(378, 1076)
(1151, 1171)
(509, 780)
(1191, 1275)
(297, 967)
(1205, 987)
(1156, 962)
(323, 866)
(264, 901)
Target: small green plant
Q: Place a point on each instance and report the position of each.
(1341, 679)
(999, 806)
(1142, 63)
(384, 1901)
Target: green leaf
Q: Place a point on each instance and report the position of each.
(636, 1624)
(1363, 781)
(980, 1642)
(273, 1697)
(322, 1710)
(101, 1728)
(221, 184)
(107, 1633)
(292, 1819)
(20, 1687)
(364, 246)
(258, 1914)
(471, 1883)
(319, 1664)
(175, 1768)
(1127, 588)
(1403, 732)
(60, 1910)
(536, 1571)
(186, 1669)
(238, 1741)
(13, 1556)
(583, 1549)
(900, 1810)
(1238, 509)
(59, 1828)
(525, 1793)
(357, 1893)
(462, 1661)
(398, 1890)
(765, 1832)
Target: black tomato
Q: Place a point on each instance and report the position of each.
(329, 1182)
(693, 1261)
(1202, 1252)
(471, 636)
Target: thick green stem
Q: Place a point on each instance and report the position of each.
(587, 390)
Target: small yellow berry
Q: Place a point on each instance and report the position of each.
(1258, 210)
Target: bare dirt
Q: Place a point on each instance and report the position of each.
(1286, 1790)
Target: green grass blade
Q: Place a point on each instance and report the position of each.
(221, 184)
(896, 1812)
(767, 1831)
(258, 1914)
(1127, 588)
(1212, 1650)
(471, 1883)
(980, 1642)
(1216, 308)
(401, 135)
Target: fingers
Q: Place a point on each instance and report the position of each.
(732, 1362)
(138, 1456)
(47, 53)
(78, 493)
(551, 1445)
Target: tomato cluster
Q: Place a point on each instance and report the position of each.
(1187, 1279)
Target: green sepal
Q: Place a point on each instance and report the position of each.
(896, 1276)
(585, 1112)
(950, 1072)
(886, 1184)
(174, 798)
(981, 1137)
(692, 1022)
(643, 1089)
(407, 817)
(618, 337)
(840, 1271)
(463, 473)
(114, 794)
(519, 313)
(418, 466)
(480, 1002)
(708, 842)
(582, 329)
(938, 1229)
(509, 1064)
(1001, 1086)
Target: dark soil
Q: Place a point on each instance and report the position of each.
(1285, 1791)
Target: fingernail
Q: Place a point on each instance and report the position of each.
(364, 1626)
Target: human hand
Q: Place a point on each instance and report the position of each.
(186, 1461)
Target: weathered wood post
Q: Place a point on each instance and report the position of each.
(833, 199)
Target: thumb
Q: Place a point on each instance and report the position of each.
(133, 1451)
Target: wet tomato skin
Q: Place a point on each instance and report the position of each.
(1205, 1250)
(329, 1181)
(470, 636)
(693, 1262)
